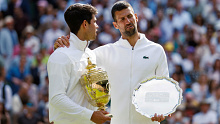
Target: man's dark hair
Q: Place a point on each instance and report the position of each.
(118, 6)
(77, 13)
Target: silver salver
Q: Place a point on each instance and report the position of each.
(160, 95)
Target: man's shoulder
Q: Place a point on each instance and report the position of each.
(59, 54)
(105, 47)
(156, 45)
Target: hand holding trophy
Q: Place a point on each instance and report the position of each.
(96, 86)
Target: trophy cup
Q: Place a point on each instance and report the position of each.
(96, 86)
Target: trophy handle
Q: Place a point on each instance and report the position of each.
(108, 86)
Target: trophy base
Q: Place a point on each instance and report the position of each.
(109, 115)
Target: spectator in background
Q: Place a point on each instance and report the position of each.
(21, 21)
(209, 11)
(17, 73)
(187, 62)
(181, 17)
(52, 34)
(49, 14)
(32, 91)
(167, 25)
(106, 36)
(9, 22)
(214, 73)
(22, 51)
(29, 116)
(31, 41)
(200, 88)
(23, 4)
(215, 101)
(203, 48)
(20, 99)
(208, 60)
(43, 101)
(196, 9)
(43, 107)
(8, 40)
(4, 115)
(196, 72)
(5, 90)
(215, 40)
(3, 5)
(212, 88)
(178, 118)
(38, 67)
(198, 27)
(206, 115)
(62, 7)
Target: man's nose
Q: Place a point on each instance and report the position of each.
(97, 26)
(127, 20)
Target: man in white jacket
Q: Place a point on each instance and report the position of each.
(67, 101)
(128, 61)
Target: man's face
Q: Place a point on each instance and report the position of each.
(92, 29)
(126, 21)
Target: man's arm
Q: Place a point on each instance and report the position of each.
(162, 68)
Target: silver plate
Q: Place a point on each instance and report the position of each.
(161, 95)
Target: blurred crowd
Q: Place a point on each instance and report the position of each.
(189, 31)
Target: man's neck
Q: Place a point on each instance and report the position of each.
(132, 39)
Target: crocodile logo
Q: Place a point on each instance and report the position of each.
(145, 57)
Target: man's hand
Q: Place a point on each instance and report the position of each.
(62, 41)
(159, 118)
(99, 117)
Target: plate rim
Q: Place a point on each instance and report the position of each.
(158, 78)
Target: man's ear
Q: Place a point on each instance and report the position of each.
(136, 17)
(115, 25)
(84, 24)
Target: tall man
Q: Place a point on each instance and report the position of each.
(130, 60)
(67, 101)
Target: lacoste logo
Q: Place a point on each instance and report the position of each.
(145, 57)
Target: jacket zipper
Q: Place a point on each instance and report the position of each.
(132, 52)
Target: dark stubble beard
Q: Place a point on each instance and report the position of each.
(130, 32)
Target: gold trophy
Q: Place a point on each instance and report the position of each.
(96, 86)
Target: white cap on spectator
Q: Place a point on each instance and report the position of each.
(29, 29)
(8, 19)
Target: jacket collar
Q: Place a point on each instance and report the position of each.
(139, 43)
(77, 43)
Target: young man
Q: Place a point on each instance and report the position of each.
(67, 101)
(130, 60)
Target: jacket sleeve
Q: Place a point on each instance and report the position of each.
(59, 69)
(162, 68)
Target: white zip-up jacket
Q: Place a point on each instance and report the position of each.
(126, 67)
(67, 100)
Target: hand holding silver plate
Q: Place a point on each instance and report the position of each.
(160, 95)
